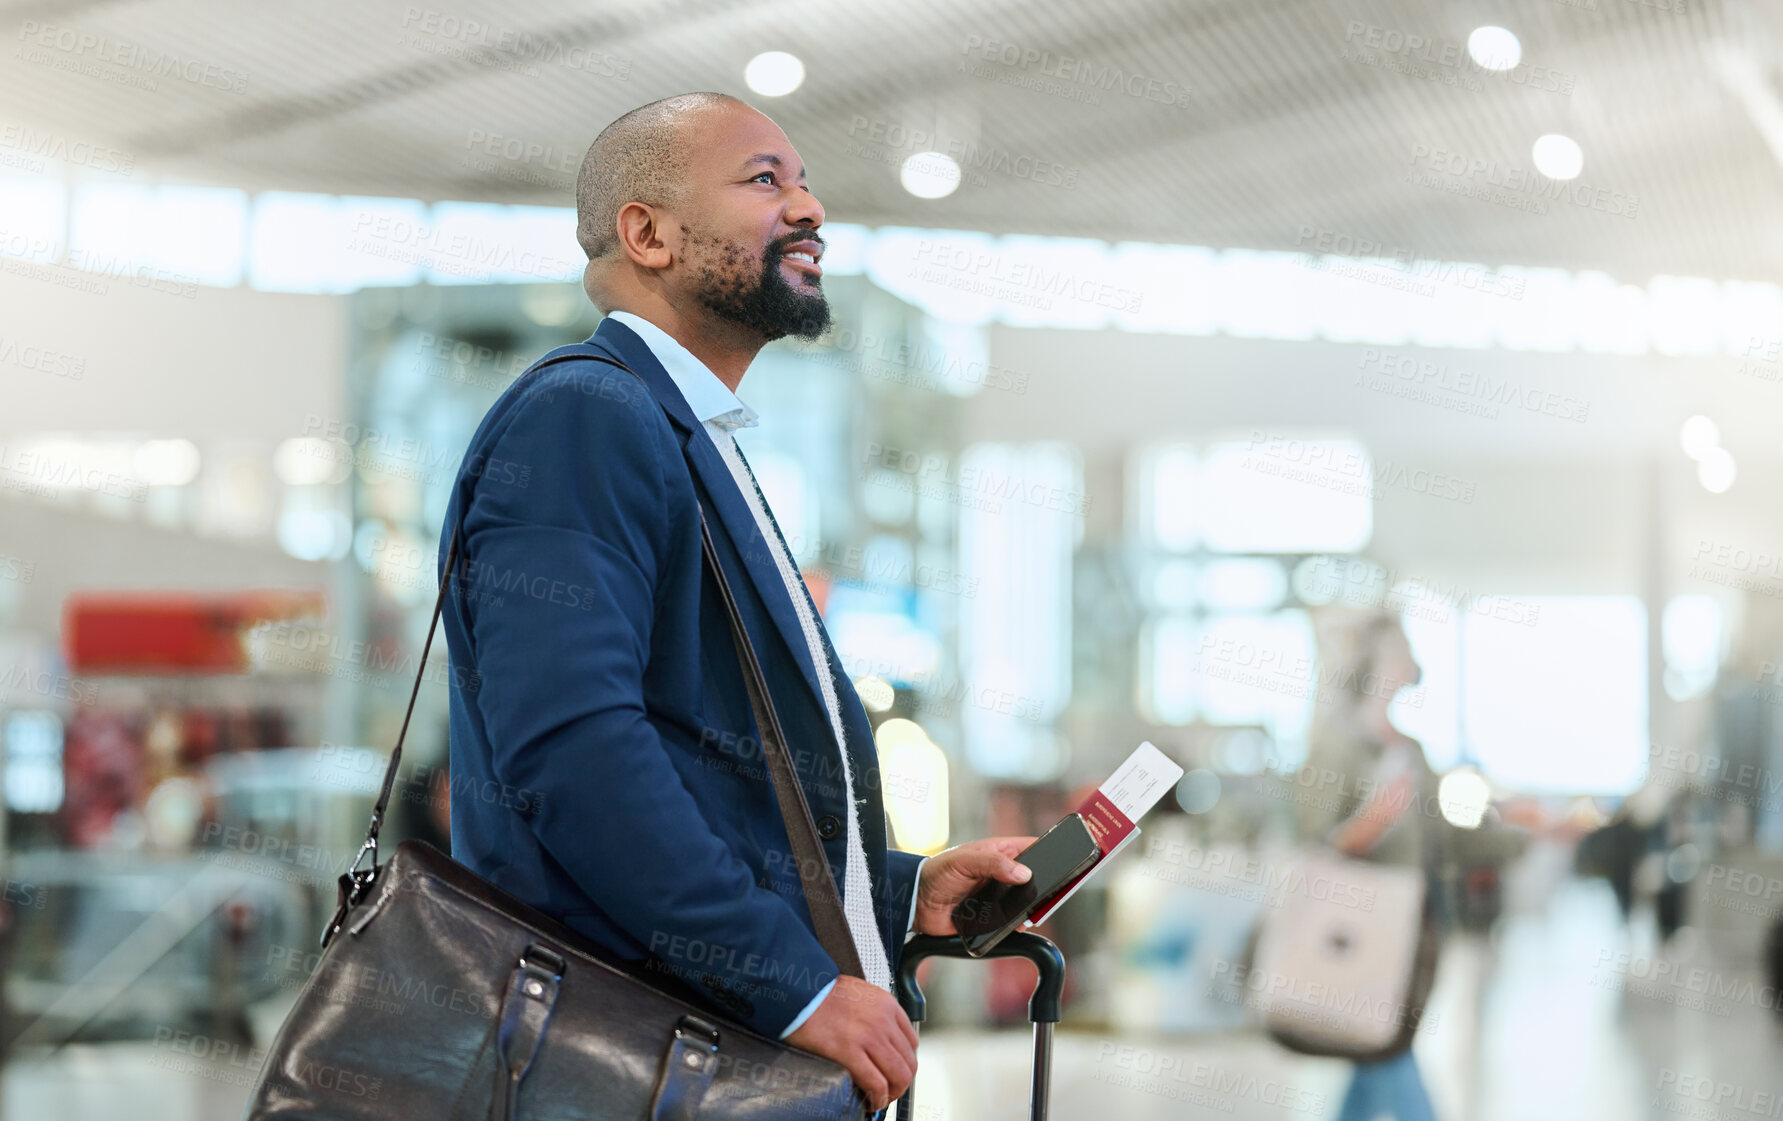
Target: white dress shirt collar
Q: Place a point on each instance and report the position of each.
(710, 399)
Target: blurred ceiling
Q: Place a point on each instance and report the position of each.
(1230, 123)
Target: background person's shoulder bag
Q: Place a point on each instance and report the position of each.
(440, 997)
(1344, 965)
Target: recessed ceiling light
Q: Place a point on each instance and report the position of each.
(930, 175)
(1716, 471)
(1494, 48)
(1558, 157)
(1699, 437)
(774, 73)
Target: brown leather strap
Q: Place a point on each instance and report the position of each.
(355, 879)
(819, 883)
(814, 868)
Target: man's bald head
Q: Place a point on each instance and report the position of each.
(641, 157)
(695, 209)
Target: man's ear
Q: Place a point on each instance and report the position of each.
(641, 231)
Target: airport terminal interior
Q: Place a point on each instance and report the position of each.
(1373, 405)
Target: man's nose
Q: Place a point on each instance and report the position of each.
(805, 210)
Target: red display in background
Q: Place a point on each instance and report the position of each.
(172, 632)
(102, 767)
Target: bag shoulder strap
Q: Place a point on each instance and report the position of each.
(818, 882)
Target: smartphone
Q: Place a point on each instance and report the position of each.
(988, 915)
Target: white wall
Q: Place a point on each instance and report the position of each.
(1559, 505)
(203, 363)
(226, 368)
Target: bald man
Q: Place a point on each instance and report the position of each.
(594, 675)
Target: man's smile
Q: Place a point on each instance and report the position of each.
(803, 256)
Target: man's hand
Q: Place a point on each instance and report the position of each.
(948, 877)
(860, 1026)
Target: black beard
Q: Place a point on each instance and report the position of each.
(769, 307)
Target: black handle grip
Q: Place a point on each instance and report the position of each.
(1043, 1006)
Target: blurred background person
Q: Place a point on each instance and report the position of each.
(1380, 808)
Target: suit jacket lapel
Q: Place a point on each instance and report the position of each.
(724, 498)
(713, 476)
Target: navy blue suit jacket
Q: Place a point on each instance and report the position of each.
(605, 762)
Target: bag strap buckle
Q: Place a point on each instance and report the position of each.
(352, 886)
(690, 1026)
(539, 960)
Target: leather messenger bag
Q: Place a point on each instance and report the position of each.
(538, 1026)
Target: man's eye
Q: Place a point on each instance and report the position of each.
(763, 175)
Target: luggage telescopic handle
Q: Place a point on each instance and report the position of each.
(1043, 1006)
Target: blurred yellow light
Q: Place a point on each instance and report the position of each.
(876, 693)
(898, 730)
(913, 780)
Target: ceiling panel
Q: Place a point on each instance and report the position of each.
(1330, 116)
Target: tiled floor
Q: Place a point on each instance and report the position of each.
(1548, 1023)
